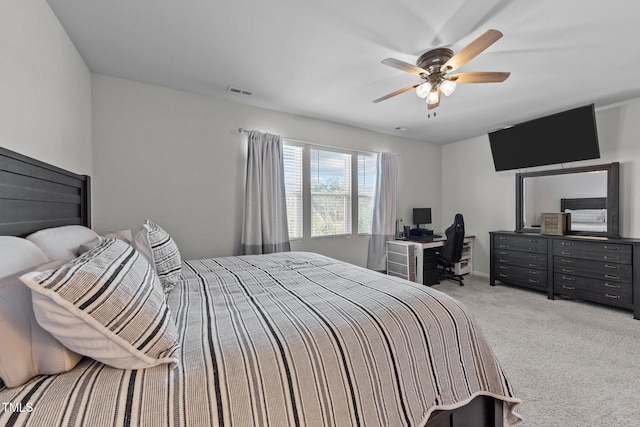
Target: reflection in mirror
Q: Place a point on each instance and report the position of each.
(591, 193)
(545, 193)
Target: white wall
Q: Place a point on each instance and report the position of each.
(178, 159)
(45, 87)
(487, 198)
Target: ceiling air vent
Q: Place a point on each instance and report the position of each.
(239, 91)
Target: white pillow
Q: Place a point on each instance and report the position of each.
(161, 251)
(107, 304)
(62, 242)
(124, 235)
(27, 349)
(17, 254)
(588, 215)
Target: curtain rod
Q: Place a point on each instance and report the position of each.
(241, 130)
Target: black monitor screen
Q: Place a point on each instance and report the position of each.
(422, 215)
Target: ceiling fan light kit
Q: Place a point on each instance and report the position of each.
(434, 66)
(423, 90)
(447, 87)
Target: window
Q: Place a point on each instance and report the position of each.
(293, 187)
(367, 169)
(330, 193)
(328, 190)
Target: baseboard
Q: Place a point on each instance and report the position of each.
(479, 273)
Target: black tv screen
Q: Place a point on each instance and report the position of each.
(564, 137)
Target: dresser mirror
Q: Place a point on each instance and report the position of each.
(589, 193)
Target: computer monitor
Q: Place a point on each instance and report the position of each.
(421, 216)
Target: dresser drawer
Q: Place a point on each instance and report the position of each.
(603, 270)
(523, 259)
(600, 251)
(521, 243)
(612, 293)
(516, 275)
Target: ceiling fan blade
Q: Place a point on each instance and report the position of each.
(397, 92)
(479, 77)
(472, 50)
(404, 66)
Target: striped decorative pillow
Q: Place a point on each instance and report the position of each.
(158, 246)
(107, 304)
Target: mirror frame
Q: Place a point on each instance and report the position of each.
(613, 197)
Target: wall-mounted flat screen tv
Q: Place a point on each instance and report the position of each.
(564, 137)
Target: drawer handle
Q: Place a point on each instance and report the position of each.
(611, 258)
(567, 261)
(534, 265)
(534, 256)
(534, 272)
(533, 249)
(612, 248)
(503, 246)
(503, 252)
(566, 243)
(566, 253)
(612, 296)
(504, 267)
(609, 285)
(533, 281)
(571, 288)
(612, 267)
(608, 276)
(571, 279)
(567, 270)
(503, 238)
(504, 275)
(533, 241)
(504, 260)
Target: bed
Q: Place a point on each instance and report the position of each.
(287, 339)
(588, 214)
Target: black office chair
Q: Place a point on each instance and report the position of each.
(451, 252)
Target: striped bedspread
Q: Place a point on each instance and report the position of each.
(289, 339)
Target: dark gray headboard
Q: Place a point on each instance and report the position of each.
(35, 195)
(583, 203)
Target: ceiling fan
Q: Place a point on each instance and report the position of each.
(434, 66)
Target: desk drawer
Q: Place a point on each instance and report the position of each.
(521, 243)
(597, 269)
(523, 259)
(599, 251)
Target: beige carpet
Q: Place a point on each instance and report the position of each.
(572, 363)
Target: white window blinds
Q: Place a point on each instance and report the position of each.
(330, 193)
(367, 167)
(293, 184)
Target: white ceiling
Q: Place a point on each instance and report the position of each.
(321, 58)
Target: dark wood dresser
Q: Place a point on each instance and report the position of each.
(601, 270)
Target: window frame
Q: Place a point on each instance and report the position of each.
(306, 188)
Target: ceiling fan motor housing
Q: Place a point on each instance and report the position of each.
(434, 59)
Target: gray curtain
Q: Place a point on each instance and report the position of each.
(265, 210)
(384, 211)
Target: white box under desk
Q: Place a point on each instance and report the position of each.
(465, 266)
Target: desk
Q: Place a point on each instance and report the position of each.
(425, 261)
